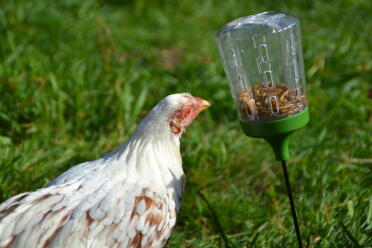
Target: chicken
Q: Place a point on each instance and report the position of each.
(127, 198)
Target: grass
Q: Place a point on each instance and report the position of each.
(77, 76)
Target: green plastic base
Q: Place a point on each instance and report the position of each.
(277, 132)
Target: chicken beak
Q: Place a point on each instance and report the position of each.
(204, 105)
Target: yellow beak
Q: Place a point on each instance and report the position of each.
(204, 105)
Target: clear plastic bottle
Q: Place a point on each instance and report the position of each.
(262, 57)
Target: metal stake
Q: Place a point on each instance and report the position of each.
(291, 202)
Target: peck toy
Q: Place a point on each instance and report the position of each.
(262, 58)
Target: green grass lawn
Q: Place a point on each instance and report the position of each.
(77, 76)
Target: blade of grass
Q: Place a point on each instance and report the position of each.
(351, 237)
(252, 243)
(216, 221)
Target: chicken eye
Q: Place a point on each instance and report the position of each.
(188, 112)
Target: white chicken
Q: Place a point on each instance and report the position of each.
(128, 198)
